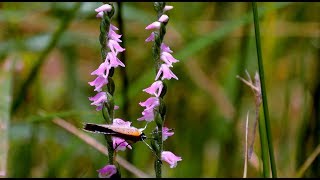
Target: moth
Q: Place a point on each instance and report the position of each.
(129, 134)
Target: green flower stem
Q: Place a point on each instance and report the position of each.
(108, 108)
(159, 115)
(263, 89)
(65, 21)
(159, 145)
(264, 145)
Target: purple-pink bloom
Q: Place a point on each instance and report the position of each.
(115, 46)
(100, 14)
(105, 7)
(151, 102)
(154, 25)
(120, 122)
(165, 48)
(98, 83)
(170, 158)
(98, 100)
(120, 144)
(164, 18)
(167, 8)
(107, 171)
(168, 58)
(147, 115)
(114, 61)
(113, 35)
(166, 133)
(166, 73)
(155, 88)
(113, 27)
(150, 38)
(103, 70)
(111, 61)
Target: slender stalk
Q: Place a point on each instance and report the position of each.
(107, 111)
(98, 146)
(308, 162)
(108, 107)
(264, 146)
(246, 149)
(263, 89)
(66, 20)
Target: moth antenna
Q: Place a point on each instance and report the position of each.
(142, 129)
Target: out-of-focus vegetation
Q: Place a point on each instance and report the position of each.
(207, 106)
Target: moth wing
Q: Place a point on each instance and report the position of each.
(95, 128)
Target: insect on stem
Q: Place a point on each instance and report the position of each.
(130, 134)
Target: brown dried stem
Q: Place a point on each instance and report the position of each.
(101, 148)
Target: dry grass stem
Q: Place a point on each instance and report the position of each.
(94, 143)
(256, 88)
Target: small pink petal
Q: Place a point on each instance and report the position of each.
(120, 122)
(167, 8)
(164, 18)
(105, 7)
(166, 73)
(151, 102)
(99, 108)
(107, 171)
(168, 58)
(166, 133)
(120, 144)
(154, 25)
(150, 38)
(113, 27)
(114, 61)
(155, 88)
(103, 70)
(113, 35)
(165, 48)
(100, 14)
(98, 83)
(147, 115)
(170, 158)
(115, 46)
(98, 100)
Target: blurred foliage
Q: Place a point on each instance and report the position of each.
(207, 106)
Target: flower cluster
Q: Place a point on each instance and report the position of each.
(104, 73)
(152, 103)
(111, 61)
(156, 88)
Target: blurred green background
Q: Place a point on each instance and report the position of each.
(48, 50)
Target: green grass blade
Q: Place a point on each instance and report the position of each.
(263, 91)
